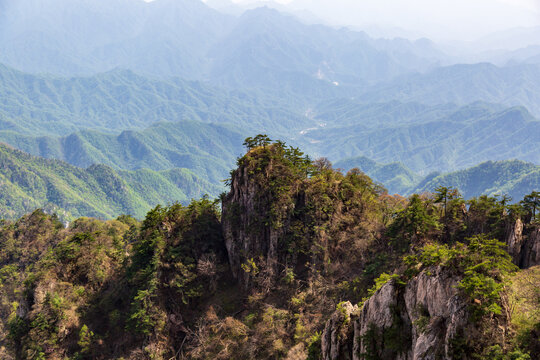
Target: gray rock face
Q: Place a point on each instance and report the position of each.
(337, 337)
(246, 235)
(524, 248)
(514, 241)
(419, 320)
(530, 254)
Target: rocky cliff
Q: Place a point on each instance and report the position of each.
(524, 244)
(284, 212)
(424, 319)
(249, 211)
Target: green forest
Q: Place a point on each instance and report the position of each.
(105, 192)
(286, 264)
(98, 191)
(269, 179)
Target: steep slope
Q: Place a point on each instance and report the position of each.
(120, 100)
(460, 138)
(29, 182)
(512, 177)
(209, 150)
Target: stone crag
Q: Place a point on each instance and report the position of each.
(524, 244)
(423, 319)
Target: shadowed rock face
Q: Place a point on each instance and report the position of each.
(337, 339)
(247, 234)
(514, 240)
(524, 245)
(420, 320)
(530, 255)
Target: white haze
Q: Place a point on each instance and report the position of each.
(439, 20)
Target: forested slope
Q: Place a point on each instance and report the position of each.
(99, 191)
(302, 262)
(120, 100)
(513, 178)
(209, 150)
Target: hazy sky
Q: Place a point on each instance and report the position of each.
(438, 19)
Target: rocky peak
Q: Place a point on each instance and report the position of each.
(284, 212)
(423, 319)
(256, 214)
(524, 244)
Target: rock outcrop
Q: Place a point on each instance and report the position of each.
(530, 250)
(337, 338)
(524, 245)
(514, 241)
(423, 319)
(247, 233)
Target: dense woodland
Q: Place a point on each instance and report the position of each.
(416, 237)
(259, 272)
(174, 87)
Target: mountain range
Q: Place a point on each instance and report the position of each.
(514, 178)
(207, 149)
(47, 116)
(178, 85)
(30, 182)
(98, 191)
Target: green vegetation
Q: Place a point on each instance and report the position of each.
(511, 177)
(437, 138)
(170, 123)
(119, 100)
(484, 264)
(395, 177)
(98, 191)
(307, 238)
(208, 150)
(295, 239)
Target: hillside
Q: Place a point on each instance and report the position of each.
(395, 177)
(71, 119)
(302, 262)
(208, 150)
(121, 100)
(516, 85)
(99, 191)
(427, 138)
(512, 177)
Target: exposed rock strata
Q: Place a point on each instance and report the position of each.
(524, 245)
(243, 212)
(420, 320)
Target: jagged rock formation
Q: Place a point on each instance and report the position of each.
(423, 319)
(337, 337)
(514, 241)
(530, 253)
(276, 217)
(244, 210)
(523, 245)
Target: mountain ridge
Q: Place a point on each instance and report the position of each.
(30, 182)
